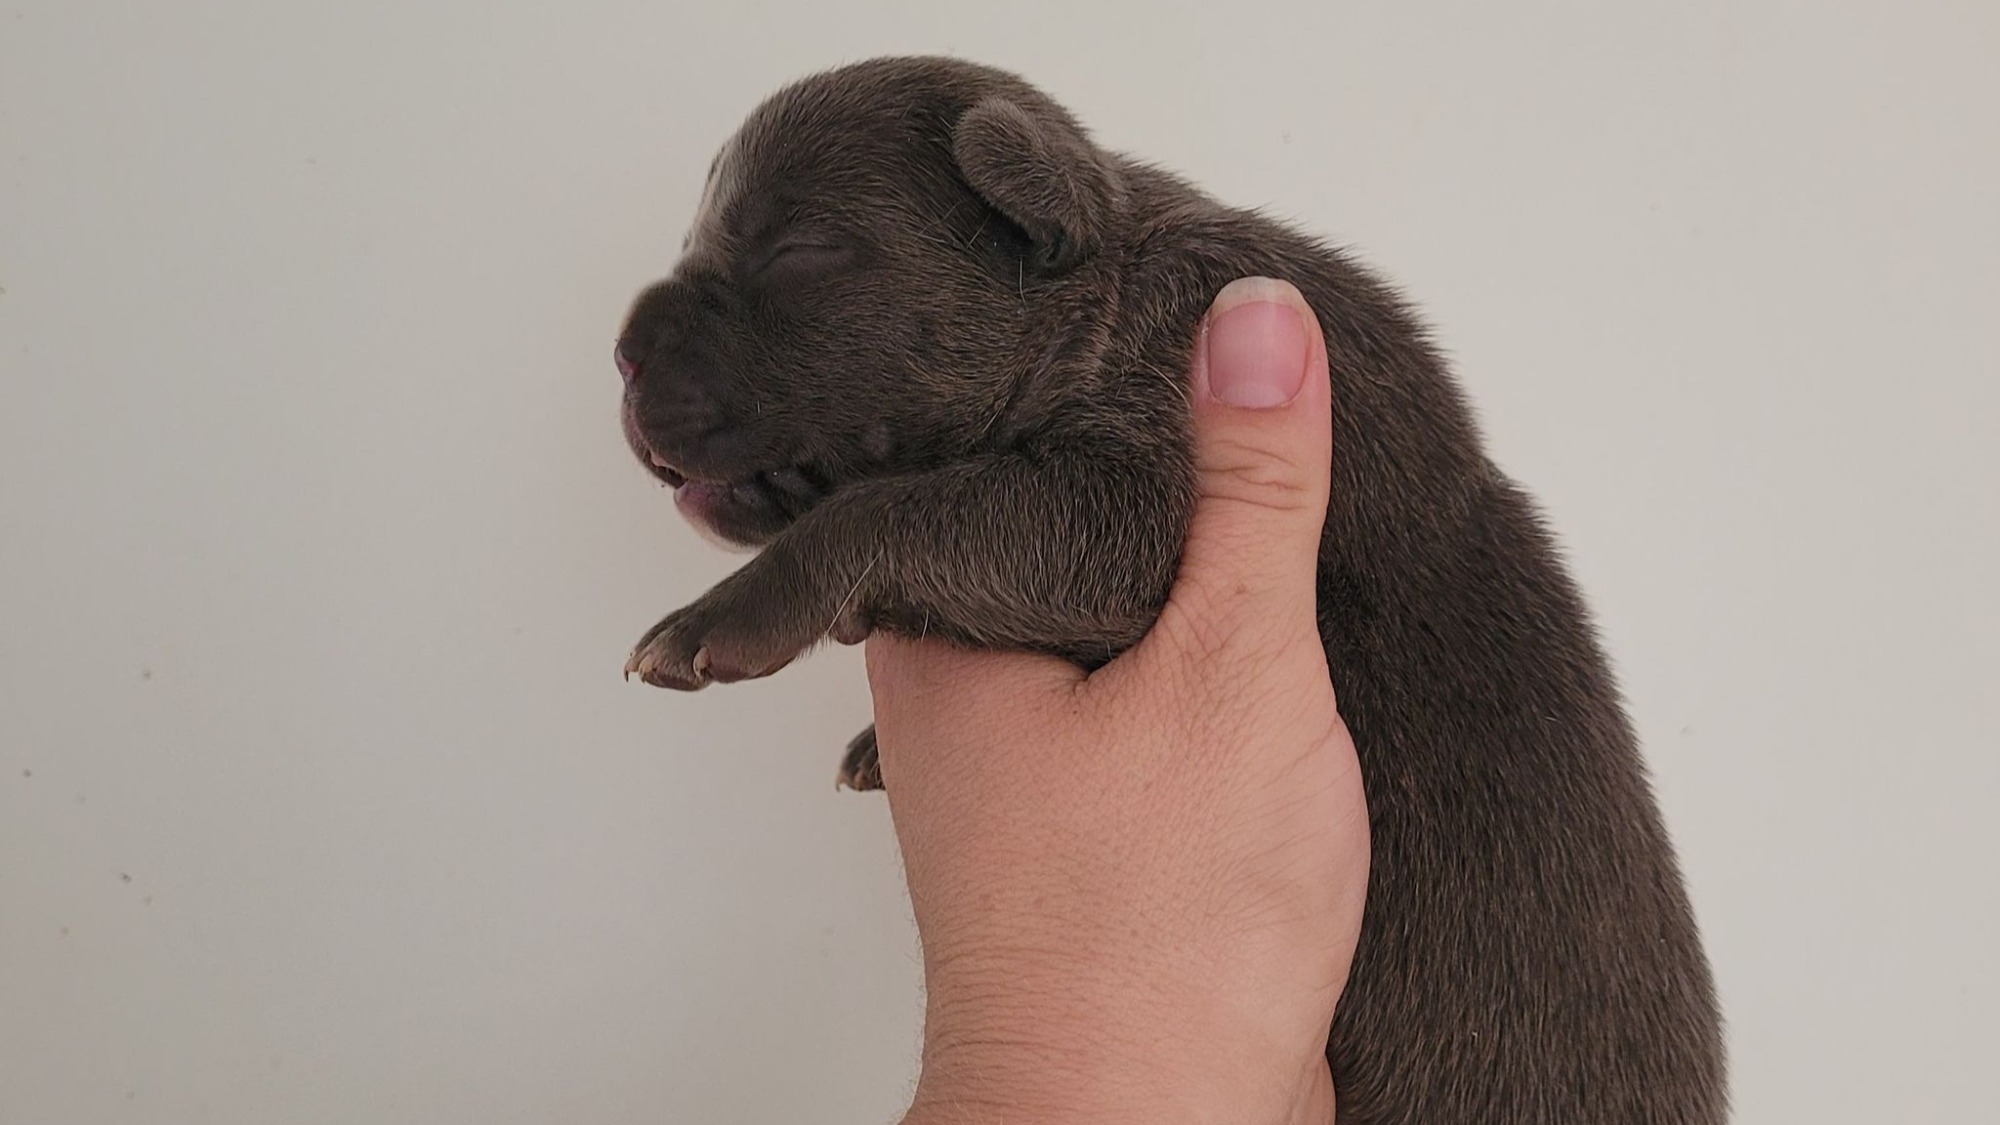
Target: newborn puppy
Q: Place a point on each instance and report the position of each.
(927, 346)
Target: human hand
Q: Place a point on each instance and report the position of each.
(1139, 890)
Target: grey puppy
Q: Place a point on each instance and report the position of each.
(927, 346)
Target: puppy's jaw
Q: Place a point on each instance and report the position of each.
(703, 505)
(738, 511)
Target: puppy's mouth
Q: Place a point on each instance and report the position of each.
(745, 510)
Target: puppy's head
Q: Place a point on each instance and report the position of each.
(881, 256)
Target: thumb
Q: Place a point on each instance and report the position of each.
(1263, 432)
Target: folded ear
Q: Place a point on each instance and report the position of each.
(1042, 173)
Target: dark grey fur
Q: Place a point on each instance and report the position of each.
(928, 346)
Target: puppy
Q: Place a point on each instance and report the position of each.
(926, 346)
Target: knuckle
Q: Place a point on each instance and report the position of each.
(1240, 472)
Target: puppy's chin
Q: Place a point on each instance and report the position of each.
(709, 509)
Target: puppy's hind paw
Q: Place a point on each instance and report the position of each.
(861, 769)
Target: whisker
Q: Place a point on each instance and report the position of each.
(849, 599)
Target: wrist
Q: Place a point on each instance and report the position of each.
(1083, 1059)
(1308, 1100)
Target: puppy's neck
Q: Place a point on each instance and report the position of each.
(1071, 345)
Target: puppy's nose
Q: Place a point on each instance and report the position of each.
(628, 368)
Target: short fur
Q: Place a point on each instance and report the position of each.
(927, 346)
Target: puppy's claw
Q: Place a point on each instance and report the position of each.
(657, 663)
(749, 626)
(698, 646)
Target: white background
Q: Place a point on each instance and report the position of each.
(321, 799)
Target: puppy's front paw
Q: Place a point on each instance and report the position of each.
(673, 654)
(722, 638)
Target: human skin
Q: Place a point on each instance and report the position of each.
(1139, 889)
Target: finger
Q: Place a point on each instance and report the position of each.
(1263, 450)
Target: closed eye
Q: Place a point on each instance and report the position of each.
(793, 257)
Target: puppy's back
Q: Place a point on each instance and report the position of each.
(1528, 952)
